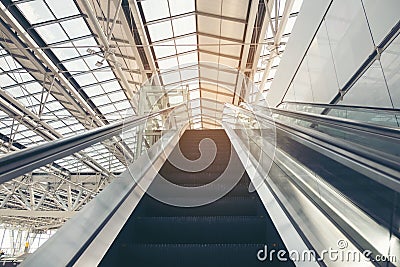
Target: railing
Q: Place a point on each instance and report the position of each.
(24, 161)
(85, 238)
(372, 115)
(357, 155)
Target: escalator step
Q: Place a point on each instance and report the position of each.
(193, 255)
(235, 205)
(211, 230)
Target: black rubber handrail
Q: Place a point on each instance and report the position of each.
(391, 111)
(380, 157)
(384, 131)
(26, 160)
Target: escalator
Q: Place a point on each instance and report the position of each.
(227, 232)
(343, 162)
(320, 177)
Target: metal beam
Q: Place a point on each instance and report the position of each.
(63, 90)
(16, 110)
(107, 50)
(263, 33)
(277, 39)
(37, 213)
(13, 165)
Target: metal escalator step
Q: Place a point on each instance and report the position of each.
(228, 205)
(244, 255)
(201, 229)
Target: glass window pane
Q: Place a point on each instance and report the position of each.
(302, 84)
(349, 36)
(52, 33)
(160, 31)
(187, 59)
(181, 6)
(369, 90)
(83, 45)
(171, 77)
(184, 25)
(164, 49)
(76, 28)
(67, 8)
(35, 11)
(65, 51)
(322, 71)
(382, 17)
(152, 13)
(168, 64)
(391, 64)
(186, 44)
(77, 65)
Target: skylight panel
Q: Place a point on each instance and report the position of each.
(52, 33)
(6, 80)
(123, 105)
(187, 59)
(160, 31)
(77, 127)
(196, 111)
(179, 7)
(171, 77)
(35, 11)
(76, 28)
(155, 9)
(111, 86)
(194, 94)
(77, 65)
(82, 45)
(289, 25)
(54, 105)
(189, 73)
(297, 5)
(85, 79)
(168, 64)
(57, 124)
(164, 49)
(117, 96)
(184, 25)
(186, 44)
(197, 125)
(23, 77)
(174, 100)
(107, 109)
(7, 63)
(33, 88)
(66, 9)
(195, 103)
(64, 131)
(65, 51)
(94, 90)
(101, 100)
(104, 75)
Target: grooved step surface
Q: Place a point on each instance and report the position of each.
(227, 232)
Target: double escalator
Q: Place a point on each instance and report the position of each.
(327, 173)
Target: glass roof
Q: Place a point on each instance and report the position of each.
(63, 72)
(66, 34)
(187, 35)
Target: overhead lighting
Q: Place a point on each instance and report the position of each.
(106, 55)
(99, 63)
